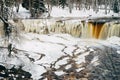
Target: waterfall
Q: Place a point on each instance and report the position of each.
(97, 30)
(100, 30)
(104, 31)
(91, 30)
(87, 30)
(110, 29)
(57, 27)
(76, 30)
(35, 26)
(114, 30)
(82, 29)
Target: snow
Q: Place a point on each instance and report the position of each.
(118, 52)
(114, 40)
(49, 45)
(59, 72)
(58, 12)
(23, 13)
(94, 61)
(54, 46)
(81, 58)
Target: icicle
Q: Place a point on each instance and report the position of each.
(114, 30)
(87, 30)
(75, 29)
(37, 27)
(68, 27)
(26, 25)
(1, 29)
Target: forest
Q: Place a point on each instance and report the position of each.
(38, 7)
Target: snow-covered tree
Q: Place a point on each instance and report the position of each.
(62, 3)
(116, 6)
(36, 7)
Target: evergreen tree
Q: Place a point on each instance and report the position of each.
(26, 4)
(116, 7)
(54, 2)
(62, 3)
(39, 5)
(5, 6)
(36, 7)
(9, 3)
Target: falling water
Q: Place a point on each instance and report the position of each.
(82, 29)
(104, 31)
(91, 30)
(87, 30)
(110, 29)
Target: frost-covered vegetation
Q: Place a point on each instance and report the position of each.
(37, 7)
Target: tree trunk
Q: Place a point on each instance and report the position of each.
(105, 6)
